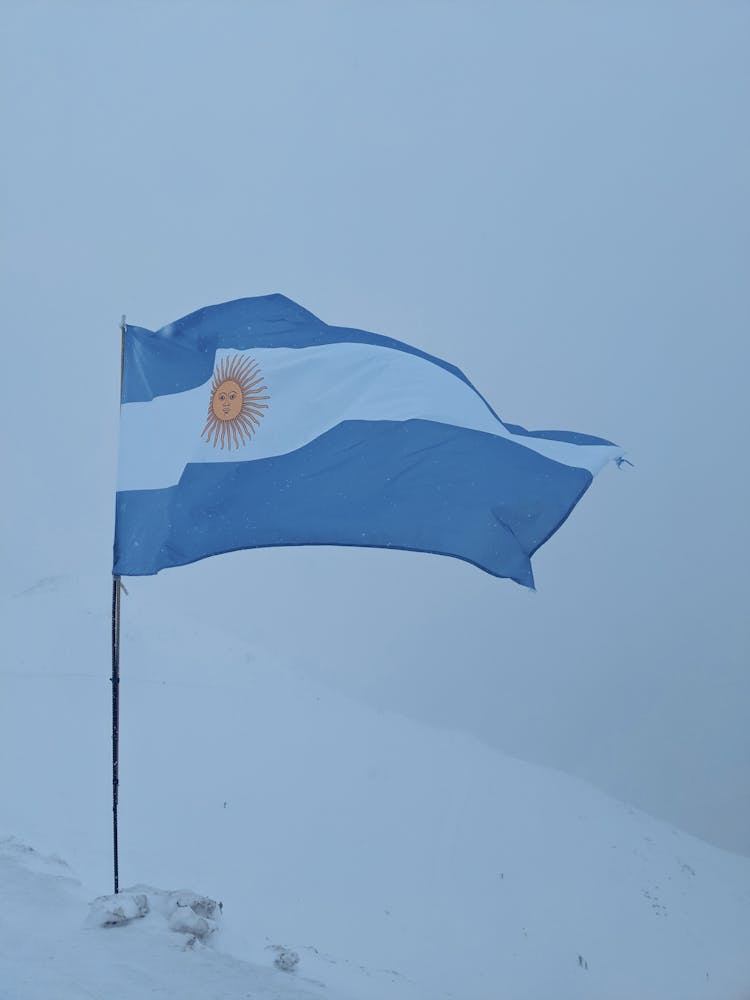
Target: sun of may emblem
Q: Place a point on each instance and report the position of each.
(238, 399)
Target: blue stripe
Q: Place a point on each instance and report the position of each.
(181, 356)
(570, 437)
(413, 485)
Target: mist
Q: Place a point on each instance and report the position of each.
(552, 196)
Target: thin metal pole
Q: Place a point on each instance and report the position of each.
(115, 721)
(116, 594)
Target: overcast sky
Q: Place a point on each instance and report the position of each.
(551, 195)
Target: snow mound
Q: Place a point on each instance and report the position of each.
(286, 959)
(184, 912)
(114, 911)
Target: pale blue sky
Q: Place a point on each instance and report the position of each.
(551, 195)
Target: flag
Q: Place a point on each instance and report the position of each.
(253, 424)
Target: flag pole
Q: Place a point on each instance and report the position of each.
(116, 594)
(115, 720)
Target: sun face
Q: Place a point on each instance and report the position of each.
(226, 400)
(238, 399)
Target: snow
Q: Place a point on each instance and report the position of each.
(47, 952)
(355, 853)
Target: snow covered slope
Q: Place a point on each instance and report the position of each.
(398, 861)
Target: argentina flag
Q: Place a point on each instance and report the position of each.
(253, 424)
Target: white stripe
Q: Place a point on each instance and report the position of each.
(312, 390)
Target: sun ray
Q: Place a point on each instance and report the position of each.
(248, 423)
(242, 420)
(246, 366)
(252, 424)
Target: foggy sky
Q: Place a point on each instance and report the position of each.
(554, 197)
